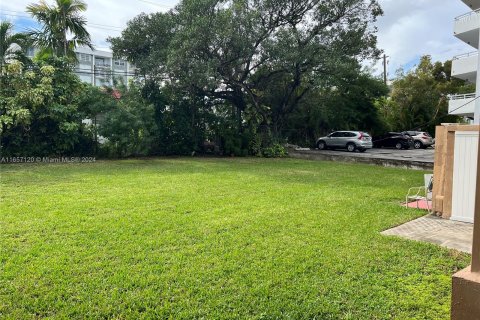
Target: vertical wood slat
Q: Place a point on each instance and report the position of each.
(476, 226)
(448, 179)
(439, 170)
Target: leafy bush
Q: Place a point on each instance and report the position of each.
(275, 151)
(130, 128)
(39, 110)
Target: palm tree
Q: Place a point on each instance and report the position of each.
(12, 45)
(58, 22)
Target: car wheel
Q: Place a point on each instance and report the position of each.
(398, 146)
(351, 147)
(418, 145)
(321, 145)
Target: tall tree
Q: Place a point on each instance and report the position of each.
(58, 22)
(222, 46)
(228, 50)
(419, 97)
(12, 45)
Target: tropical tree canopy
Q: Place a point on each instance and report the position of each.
(12, 45)
(63, 28)
(232, 50)
(418, 98)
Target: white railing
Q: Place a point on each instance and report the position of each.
(467, 16)
(462, 96)
(466, 55)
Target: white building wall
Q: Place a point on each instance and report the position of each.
(97, 67)
(466, 67)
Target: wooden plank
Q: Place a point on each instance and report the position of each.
(462, 127)
(476, 221)
(439, 170)
(448, 179)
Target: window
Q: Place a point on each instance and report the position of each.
(336, 135)
(83, 57)
(120, 63)
(100, 62)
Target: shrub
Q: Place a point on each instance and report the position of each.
(39, 110)
(130, 129)
(275, 151)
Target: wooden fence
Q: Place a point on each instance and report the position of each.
(444, 165)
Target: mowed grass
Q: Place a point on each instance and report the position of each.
(215, 239)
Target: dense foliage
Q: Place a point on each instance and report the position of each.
(258, 63)
(419, 98)
(39, 110)
(230, 78)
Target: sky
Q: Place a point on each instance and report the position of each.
(408, 29)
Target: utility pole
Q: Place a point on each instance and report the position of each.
(385, 68)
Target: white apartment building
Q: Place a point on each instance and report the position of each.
(467, 66)
(99, 68)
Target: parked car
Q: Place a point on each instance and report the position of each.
(350, 140)
(421, 139)
(395, 140)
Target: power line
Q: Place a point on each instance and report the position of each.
(156, 4)
(18, 14)
(446, 115)
(105, 73)
(464, 105)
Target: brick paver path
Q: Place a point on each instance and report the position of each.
(446, 233)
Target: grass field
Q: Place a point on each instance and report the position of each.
(214, 239)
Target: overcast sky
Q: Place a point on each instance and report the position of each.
(408, 29)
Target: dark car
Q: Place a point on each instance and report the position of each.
(393, 140)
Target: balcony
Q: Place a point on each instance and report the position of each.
(467, 26)
(473, 4)
(462, 104)
(103, 66)
(465, 66)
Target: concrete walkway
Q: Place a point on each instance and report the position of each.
(446, 233)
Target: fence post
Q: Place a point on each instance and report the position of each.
(466, 283)
(476, 219)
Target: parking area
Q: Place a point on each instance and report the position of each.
(421, 159)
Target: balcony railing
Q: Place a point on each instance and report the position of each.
(467, 16)
(466, 55)
(462, 96)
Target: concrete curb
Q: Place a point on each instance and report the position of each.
(360, 158)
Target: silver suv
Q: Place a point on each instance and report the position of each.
(421, 139)
(350, 140)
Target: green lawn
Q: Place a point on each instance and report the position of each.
(214, 239)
